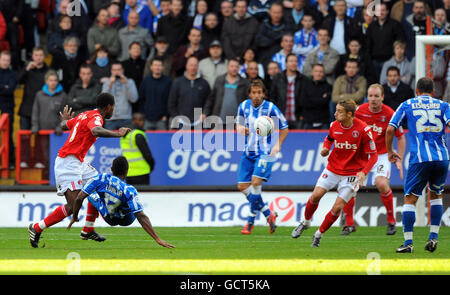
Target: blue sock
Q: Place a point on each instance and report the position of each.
(436, 211)
(408, 219)
(253, 209)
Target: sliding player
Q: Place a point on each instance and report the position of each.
(259, 154)
(351, 159)
(427, 118)
(116, 201)
(71, 170)
(377, 115)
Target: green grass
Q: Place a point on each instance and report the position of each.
(220, 251)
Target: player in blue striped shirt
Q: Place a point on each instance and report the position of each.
(115, 200)
(259, 152)
(427, 119)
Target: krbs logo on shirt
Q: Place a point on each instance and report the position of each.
(345, 145)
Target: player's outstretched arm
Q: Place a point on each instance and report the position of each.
(77, 203)
(66, 115)
(147, 226)
(102, 132)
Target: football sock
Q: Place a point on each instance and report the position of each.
(387, 200)
(310, 209)
(328, 221)
(348, 211)
(56, 216)
(91, 216)
(247, 191)
(408, 219)
(436, 210)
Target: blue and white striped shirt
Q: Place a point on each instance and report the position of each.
(427, 118)
(247, 114)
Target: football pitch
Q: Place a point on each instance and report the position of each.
(223, 250)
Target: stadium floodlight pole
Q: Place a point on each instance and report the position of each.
(421, 66)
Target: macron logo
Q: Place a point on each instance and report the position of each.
(345, 145)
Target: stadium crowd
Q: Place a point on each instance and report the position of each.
(163, 58)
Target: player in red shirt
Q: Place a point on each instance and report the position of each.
(377, 115)
(70, 169)
(351, 159)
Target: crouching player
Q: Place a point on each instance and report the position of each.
(115, 200)
(351, 159)
(259, 154)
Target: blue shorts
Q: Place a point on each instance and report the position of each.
(111, 220)
(254, 165)
(419, 174)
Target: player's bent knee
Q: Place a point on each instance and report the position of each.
(243, 186)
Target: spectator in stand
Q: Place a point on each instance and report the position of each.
(201, 10)
(210, 29)
(125, 93)
(115, 17)
(238, 31)
(294, 17)
(47, 105)
(249, 56)
(402, 9)
(133, 32)
(188, 93)
(154, 96)
(339, 27)
(315, 100)
(213, 66)
(228, 92)
(226, 11)
(364, 62)
(350, 85)
(260, 8)
(160, 51)
(134, 68)
(440, 22)
(12, 12)
(32, 76)
(56, 38)
(174, 26)
(252, 71)
(286, 92)
(323, 9)
(400, 61)
(381, 35)
(305, 40)
(102, 35)
(101, 65)
(82, 94)
(145, 15)
(415, 24)
(287, 44)
(324, 55)
(270, 33)
(272, 70)
(193, 48)
(359, 28)
(8, 82)
(67, 63)
(395, 90)
(163, 9)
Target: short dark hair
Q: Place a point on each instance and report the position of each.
(134, 43)
(352, 60)
(85, 66)
(425, 85)
(291, 54)
(157, 58)
(348, 104)
(257, 83)
(393, 68)
(104, 99)
(119, 166)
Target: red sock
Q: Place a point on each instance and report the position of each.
(91, 216)
(310, 209)
(328, 221)
(388, 202)
(56, 216)
(348, 210)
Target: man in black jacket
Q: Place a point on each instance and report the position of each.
(8, 81)
(395, 91)
(315, 100)
(286, 92)
(32, 76)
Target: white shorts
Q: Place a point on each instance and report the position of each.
(71, 173)
(347, 186)
(381, 168)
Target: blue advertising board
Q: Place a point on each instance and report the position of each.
(212, 158)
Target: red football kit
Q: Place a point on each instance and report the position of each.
(352, 147)
(81, 139)
(378, 122)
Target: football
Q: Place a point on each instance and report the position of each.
(263, 125)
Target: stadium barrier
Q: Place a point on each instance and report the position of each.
(4, 147)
